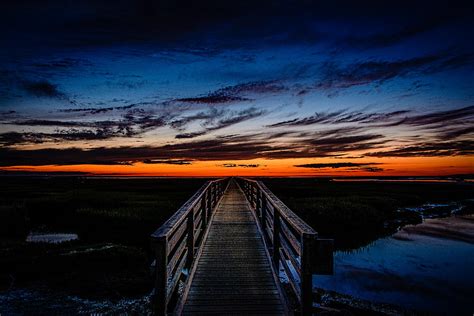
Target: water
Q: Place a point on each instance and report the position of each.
(427, 267)
(50, 238)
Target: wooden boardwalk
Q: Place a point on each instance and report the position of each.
(233, 274)
(220, 253)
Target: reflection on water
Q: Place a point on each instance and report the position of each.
(50, 238)
(427, 267)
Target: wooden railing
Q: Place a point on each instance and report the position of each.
(292, 244)
(178, 239)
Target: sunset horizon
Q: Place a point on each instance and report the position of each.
(262, 90)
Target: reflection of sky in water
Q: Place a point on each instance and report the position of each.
(50, 238)
(427, 274)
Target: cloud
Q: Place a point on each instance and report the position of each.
(42, 88)
(254, 87)
(336, 77)
(368, 72)
(429, 149)
(448, 124)
(348, 166)
(61, 64)
(98, 110)
(233, 165)
(235, 117)
(211, 99)
(456, 132)
(15, 138)
(234, 93)
(441, 117)
(387, 38)
(190, 135)
(208, 117)
(39, 122)
(167, 161)
(337, 165)
(240, 147)
(341, 116)
(231, 147)
(133, 123)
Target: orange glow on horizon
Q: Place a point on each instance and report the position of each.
(413, 166)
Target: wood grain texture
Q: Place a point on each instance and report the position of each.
(233, 275)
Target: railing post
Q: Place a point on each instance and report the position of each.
(161, 277)
(258, 206)
(307, 242)
(204, 210)
(264, 211)
(276, 238)
(214, 194)
(209, 202)
(252, 196)
(190, 239)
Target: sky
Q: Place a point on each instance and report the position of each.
(217, 88)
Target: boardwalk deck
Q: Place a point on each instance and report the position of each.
(225, 244)
(233, 274)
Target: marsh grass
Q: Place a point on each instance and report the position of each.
(357, 213)
(113, 218)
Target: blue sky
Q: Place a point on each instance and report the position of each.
(98, 76)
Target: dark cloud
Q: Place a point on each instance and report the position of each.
(441, 117)
(447, 124)
(208, 117)
(212, 99)
(255, 87)
(429, 149)
(337, 165)
(15, 138)
(387, 38)
(336, 145)
(337, 77)
(38, 122)
(238, 147)
(42, 88)
(235, 93)
(190, 135)
(233, 165)
(347, 166)
(458, 131)
(61, 64)
(134, 123)
(232, 119)
(371, 169)
(341, 116)
(232, 147)
(167, 161)
(98, 110)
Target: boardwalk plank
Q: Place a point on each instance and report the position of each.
(233, 275)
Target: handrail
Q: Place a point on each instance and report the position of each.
(292, 244)
(176, 242)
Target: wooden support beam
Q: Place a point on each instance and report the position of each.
(190, 239)
(276, 239)
(161, 278)
(307, 245)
